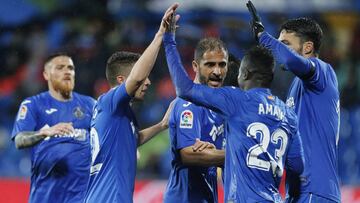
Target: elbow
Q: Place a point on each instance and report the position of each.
(291, 62)
(186, 160)
(184, 91)
(299, 169)
(180, 93)
(187, 157)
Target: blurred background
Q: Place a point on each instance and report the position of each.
(91, 30)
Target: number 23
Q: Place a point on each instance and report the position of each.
(252, 159)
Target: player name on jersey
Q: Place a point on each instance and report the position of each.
(270, 109)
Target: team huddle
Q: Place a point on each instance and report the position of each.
(84, 150)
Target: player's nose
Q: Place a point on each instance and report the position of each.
(217, 70)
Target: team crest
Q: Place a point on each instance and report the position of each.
(22, 112)
(186, 119)
(78, 112)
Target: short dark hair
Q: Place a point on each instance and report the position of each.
(120, 63)
(206, 44)
(233, 71)
(305, 28)
(54, 55)
(260, 63)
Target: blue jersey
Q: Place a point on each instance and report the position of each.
(113, 148)
(192, 183)
(261, 133)
(59, 164)
(315, 97)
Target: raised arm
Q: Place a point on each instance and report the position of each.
(217, 99)
(144, 65)
(300, 66)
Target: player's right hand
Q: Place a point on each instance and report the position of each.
(256, 24)
(201, 145)
(58, 129)
(168, 23)
(165, 120)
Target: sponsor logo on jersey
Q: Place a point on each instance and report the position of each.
(78, 134)
(186, 119)
(78, 112)
(50, 111)
(187, 104)
(22, 112)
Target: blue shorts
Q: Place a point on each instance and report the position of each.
(308, 198)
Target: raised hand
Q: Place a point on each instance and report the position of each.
(168, 23)
(256, 24)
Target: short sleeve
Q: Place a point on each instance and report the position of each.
(188, 124)
(116, 98)
(318, 80)
(25, 119)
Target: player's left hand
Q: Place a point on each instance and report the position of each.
(256, 24)
(168, 23)
(201, 145)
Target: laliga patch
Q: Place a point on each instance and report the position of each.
(186, 119)
(22, 112)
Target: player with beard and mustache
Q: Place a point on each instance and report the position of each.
(193, 175)
(314, 95)
(55, 124)
(259, 142)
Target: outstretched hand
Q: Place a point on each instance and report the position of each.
(168, 23)
(256, 24)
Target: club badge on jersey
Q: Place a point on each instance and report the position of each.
(78, 112)
(186, 119)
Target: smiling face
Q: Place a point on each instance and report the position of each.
(212, 68)
(60, 74)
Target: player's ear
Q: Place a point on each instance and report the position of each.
(46, 75)
(120, 79)
(308, 48)
(195, 66)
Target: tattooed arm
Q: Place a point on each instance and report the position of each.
(30, 138)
